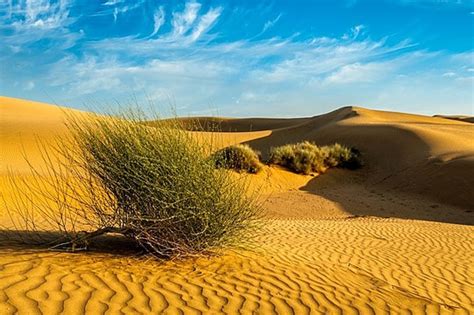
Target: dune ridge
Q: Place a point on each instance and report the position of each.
(342, 242)
(464, 118)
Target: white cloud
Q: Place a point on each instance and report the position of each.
(182, 21)
(354, 33)
(40, 14)
(359, 73)
(449, 74)
(435, 2)
(227, 73)
(205, 23)
(271, 23)
(305, 62)
(113, 2)
(29, 21)
(158, 20)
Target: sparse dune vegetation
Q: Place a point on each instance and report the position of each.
(306, 157)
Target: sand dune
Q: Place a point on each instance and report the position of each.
(241, 124)
(327, 245)
(464, 118)
(23, 124)
(426, 156)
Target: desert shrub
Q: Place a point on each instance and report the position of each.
(336, 154)
(342, 156)
(306, 157)
(153, 185)
(238, 157)
(354, 161)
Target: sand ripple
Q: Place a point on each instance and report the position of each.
(300, 267)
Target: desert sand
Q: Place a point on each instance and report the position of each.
(458, 117)
(394, 236)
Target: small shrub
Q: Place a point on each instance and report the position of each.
(306, 157)
(238, 157)
(354, 161)
(336, 154)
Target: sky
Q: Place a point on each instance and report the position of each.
(241, 57)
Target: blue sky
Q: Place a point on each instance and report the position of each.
(242, 58)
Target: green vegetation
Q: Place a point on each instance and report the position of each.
(239, 157)
(306, 157)
(153, 185)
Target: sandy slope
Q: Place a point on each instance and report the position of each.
(242, 124)
(22, 123)
(324, 247)
(464, 118)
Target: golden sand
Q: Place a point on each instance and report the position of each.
(376, 240)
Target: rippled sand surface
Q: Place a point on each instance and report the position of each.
(301, 266)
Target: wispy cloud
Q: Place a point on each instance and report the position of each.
(205, 23)
(357, 72)
(269, 24)
(355, 32)
(158, 20)
(38, 14)
(182, 21)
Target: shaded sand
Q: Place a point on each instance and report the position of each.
(343, 242)
(464, 118)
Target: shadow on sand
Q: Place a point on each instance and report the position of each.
(364, 200)
(46, 241)
(400, 178)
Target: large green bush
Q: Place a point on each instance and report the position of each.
(153, 185)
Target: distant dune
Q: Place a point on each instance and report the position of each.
(344, 242)
(468, 119)
(241, 124)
